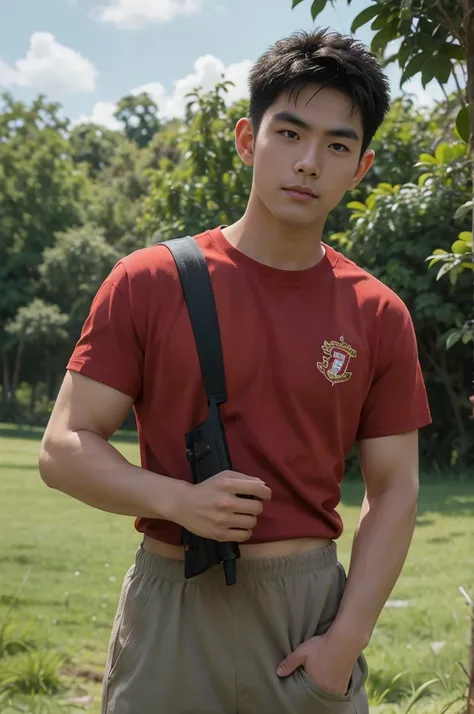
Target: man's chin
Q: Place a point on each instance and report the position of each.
(298, 221)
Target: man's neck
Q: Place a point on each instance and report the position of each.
(259, 235)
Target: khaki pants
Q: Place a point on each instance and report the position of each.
(201, 647)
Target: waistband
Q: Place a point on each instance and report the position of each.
(258, 569)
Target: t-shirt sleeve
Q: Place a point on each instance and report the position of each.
(109, 349)
(397, 401)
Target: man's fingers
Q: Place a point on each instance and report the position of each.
(291, 663)
(241, 476)
(238, 535)
(248, 506)
(242, 521)
(251, 487)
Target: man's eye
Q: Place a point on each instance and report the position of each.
(340, 148)
(289, 133)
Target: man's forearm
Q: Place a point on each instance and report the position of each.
(379, 551)
(88, 468)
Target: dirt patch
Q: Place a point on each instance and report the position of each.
(90, 674)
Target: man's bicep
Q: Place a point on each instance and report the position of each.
(86, 404)
(396, 401)
(389, 461)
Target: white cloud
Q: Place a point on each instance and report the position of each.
(136, 14)
(102, 114)
(208, 71)
(51, 68)
(7, 74)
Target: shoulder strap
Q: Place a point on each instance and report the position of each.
(199, 298)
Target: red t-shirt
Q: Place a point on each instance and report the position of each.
(315, 360)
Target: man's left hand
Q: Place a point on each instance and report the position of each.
(329, 669)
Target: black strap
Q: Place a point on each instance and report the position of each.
(199, 297)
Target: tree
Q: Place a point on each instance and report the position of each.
(41, 192)
(41, 328)
(164, 145)
(119, 191)
(73, 269)
(69, 204)
(408, 131)
(209, 185)
(94, 146)
(139, 113)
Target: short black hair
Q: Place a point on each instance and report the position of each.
(324, 58)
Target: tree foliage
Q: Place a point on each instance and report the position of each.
(139, 115)
(94, 146)
(209, 184)
(390, 234)
(432, 35)
(41, 193)
(73, 267)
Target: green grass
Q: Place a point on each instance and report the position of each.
(74, 559)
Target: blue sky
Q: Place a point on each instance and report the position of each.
(86, 54)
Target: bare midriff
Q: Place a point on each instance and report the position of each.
(248, 551)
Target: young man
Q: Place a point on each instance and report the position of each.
(318, 355)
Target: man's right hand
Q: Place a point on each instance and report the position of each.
(214, 508)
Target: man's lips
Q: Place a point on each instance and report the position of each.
(302, 193)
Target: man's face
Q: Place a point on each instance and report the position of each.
(312, 144)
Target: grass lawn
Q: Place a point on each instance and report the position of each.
(75, 559)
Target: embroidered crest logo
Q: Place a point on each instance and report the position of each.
(334, 366)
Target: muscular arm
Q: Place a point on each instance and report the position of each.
(382, 539)
(383, 535)
(77, 458)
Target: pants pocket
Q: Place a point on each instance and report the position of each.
(111, 654)
(136, 600)
(340, 703)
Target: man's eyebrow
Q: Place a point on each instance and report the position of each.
(291, 118)
(343, 132)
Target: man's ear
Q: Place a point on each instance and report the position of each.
(364, 165)
(244, 140)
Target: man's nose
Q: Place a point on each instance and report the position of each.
(309, 164)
